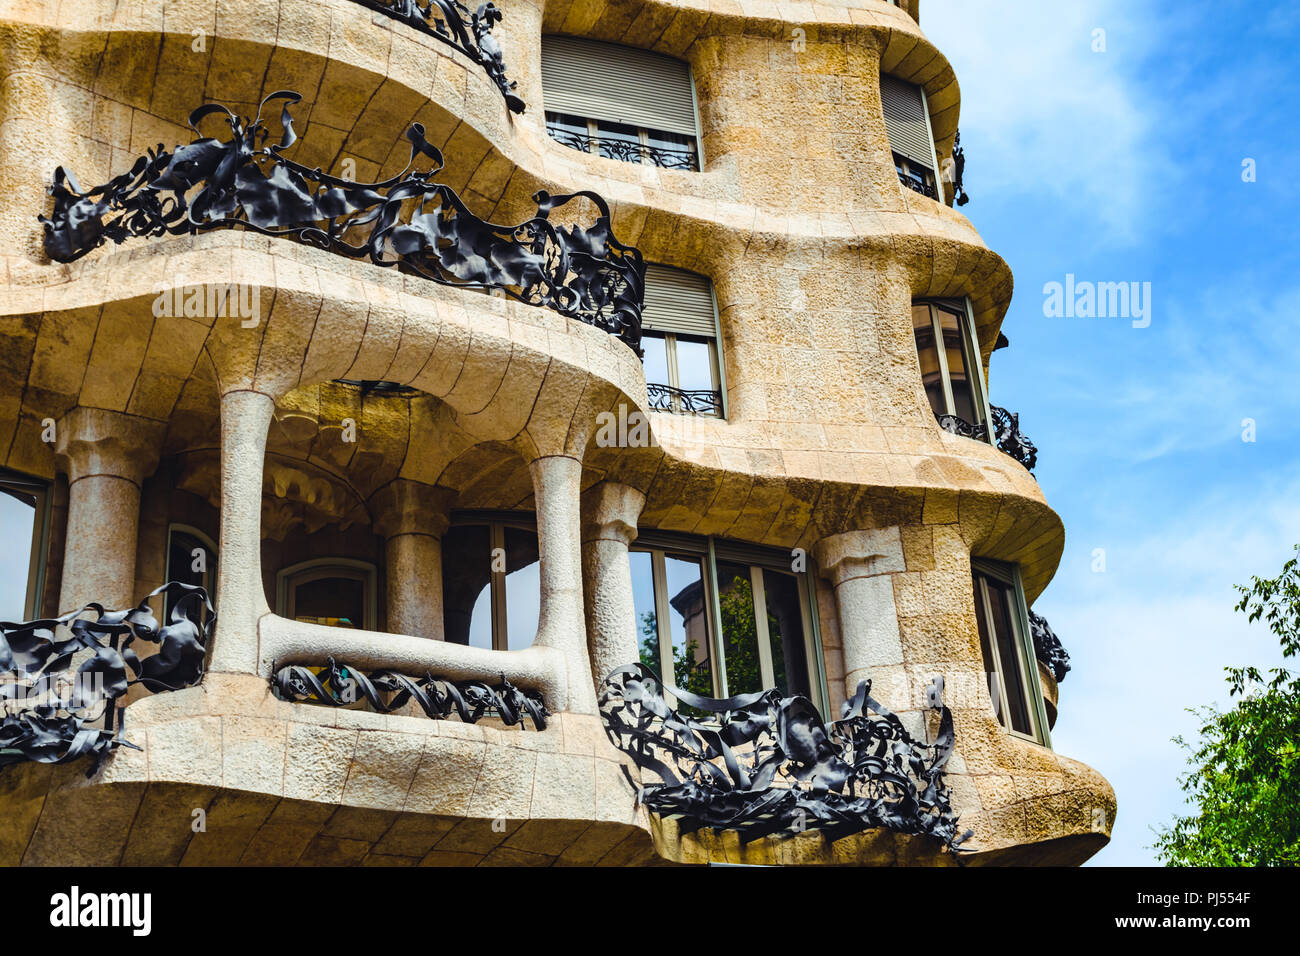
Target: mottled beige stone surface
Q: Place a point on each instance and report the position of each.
(815, 252)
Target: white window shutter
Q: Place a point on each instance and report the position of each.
(678, 301)
(905, 120)
(618, 84)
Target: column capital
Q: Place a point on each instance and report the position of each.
(98, 441)
(410, 507)
(860, 554)
(610, 510)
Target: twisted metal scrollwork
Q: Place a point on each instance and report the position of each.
(1010, 440)
(665, 398)
(53, 713)
(1048, 647)
(918, 185)
(766, 765)
(959, 194)
(451, 22)
(408, 221)
(629, 152)
(387, 691)
(1006, 434)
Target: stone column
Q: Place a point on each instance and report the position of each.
(107, 456)
(412, 516)
(860, 564)
(610, 511)
(241, 597)
(556, 484)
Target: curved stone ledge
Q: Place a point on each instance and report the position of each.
(284, 784)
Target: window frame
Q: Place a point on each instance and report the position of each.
(1009, 574)
(660, 544)
(38, 558)
(313, 569)
(209, 575)
(674, 373)
(496, 523)
(961, 308)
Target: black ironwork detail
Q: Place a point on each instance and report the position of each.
(1048, 647)
(1010, 440)
(922, 186)
(451, 22)
(766, 765)
(408, 221)
(627, 151)
(1006, 434)
(959, 171)
(665, 398)
(956, 425)
(377, 386)
(53, 714)
(386, 691)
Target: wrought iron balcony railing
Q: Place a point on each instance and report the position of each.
(386, 691)
(451, 22)
(1007, 436)
(627, 151)
(1048, 647)
(409, 222)
(53, 713)
(665, 398)
(924, 187)
(764, 765)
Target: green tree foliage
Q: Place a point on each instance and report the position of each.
(1244, 782)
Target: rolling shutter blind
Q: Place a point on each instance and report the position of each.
(677, 301)
(618, 84)
(905, 120)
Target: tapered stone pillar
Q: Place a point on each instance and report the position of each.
(412, 517)
(561, 624)
(107, 455)
(860, 564)
(609, 511)
(241, 598)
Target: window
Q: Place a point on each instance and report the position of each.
(338, 592)
(191, 559)
(907, 122)
(24, 523)
(620, 102)
(720, 619)
(1007, 650)
(683, 370)
(491, 585)
(951, 373)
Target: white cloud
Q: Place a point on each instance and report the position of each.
(1042, 113)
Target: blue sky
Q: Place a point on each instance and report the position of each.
(1126, 165)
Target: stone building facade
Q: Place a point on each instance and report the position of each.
(357, 455)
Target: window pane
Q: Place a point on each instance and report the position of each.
(523, 588)
(739, 629)
(688, 625)
(466, 576)
(959, 373)
(785, 629)
(17, 523)
(694, 366)
(656, 359)
(672, 150)
(620, 142)
(931, 376)
(643, 604)
(338, 602)
(1001, 606)
(569, 130)
(986, 652)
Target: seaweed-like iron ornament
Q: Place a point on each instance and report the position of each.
(60, 678)
(452, 23)
(338, 685)
(408, 221)
(762, 764)
(1048, 647)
